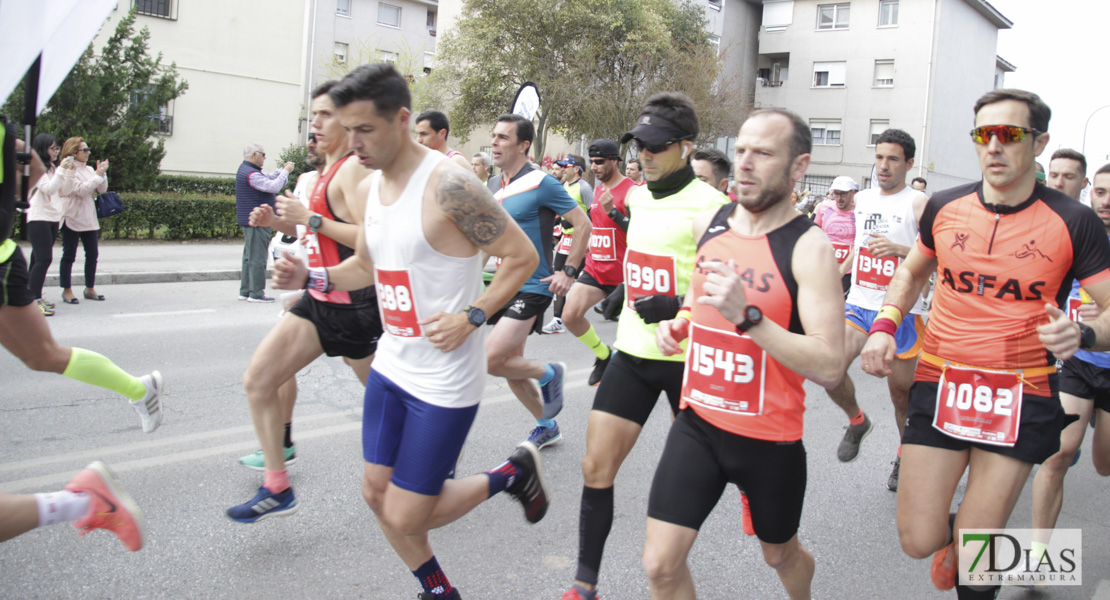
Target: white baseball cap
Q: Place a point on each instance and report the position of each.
(844, 184)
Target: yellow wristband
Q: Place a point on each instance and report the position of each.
(890, 311)
(684, 314)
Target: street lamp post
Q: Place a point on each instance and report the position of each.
(1088, 123)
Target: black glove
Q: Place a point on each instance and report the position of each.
(657, 307)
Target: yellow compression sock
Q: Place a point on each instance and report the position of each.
(89, 367)
(594, 343)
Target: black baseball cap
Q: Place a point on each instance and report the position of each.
(654, 131)
(604, 148)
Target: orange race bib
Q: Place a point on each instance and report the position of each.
(724, 371)
(979, 405)
(603, 244)
(841, 251)
(565, 243)
(648, 274)
(395, 300)
(874, 273)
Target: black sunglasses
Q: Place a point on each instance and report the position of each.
(641, 145)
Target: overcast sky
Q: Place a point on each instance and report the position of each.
(1058, 48)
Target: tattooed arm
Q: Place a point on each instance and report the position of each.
(470, 206)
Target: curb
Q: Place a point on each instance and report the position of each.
(77, 280)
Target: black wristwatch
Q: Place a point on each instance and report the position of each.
(752, 317)
(1087, 337)
(475, 315)
(314, 223)
(570, 271)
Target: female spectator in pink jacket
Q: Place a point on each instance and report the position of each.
(44, 216)
(80, 186)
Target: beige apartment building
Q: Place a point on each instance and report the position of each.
(854, 69)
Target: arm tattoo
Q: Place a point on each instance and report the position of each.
(471, 207)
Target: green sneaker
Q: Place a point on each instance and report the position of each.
(258, 462)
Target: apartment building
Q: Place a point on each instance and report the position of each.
(853, 69)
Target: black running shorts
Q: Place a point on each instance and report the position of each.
(699, 460)
(1042, 420)
(586, 278)
(348, 330)
(14, 287)
(1084, 380)
(631, 385)
(522, 307)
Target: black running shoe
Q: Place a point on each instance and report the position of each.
(599, 368)
(529, 488)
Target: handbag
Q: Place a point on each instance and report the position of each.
(108, 204)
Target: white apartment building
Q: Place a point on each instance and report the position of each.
(853, 69)
(244, 61)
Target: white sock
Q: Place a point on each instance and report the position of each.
(58, 507)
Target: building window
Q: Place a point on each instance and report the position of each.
(829, 74)
(888, 13)
(777, 15)
(429, 61)
(825, 133)
(884, 73)
(833, 16)
(343, 8)
(389, 15)
(432, 22)
(715, 4)
(387, 56)
(716, 41)
(877, 129)
(154, 8)
(340, 53)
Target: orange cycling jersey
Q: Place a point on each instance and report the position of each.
(759, 398)
(997, 266)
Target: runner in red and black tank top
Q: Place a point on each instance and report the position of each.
(773, 398)
(326, 252)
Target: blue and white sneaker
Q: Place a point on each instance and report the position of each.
(553, 392)
(265, 505)
(543, 437)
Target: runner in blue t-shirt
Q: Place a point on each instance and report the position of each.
(535, 200)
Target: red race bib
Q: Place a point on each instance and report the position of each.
(565, 243)
(979, 405)
(603, 244)
(1073, 309)
(724, 371)
(874, 273)
(647, 274)
(841, 251)
(395, 300)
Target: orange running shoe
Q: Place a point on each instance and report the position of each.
(944, 567)
(572, 594)
(746, 515)
(109, 506)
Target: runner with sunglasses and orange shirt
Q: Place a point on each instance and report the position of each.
(1005, 251)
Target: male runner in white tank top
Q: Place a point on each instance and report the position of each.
(425, 223)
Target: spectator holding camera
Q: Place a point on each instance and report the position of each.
(44, 216)
(80, 186)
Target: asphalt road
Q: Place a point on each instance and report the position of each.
(186, 474)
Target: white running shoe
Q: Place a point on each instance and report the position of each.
(150, 407)
(555, 326)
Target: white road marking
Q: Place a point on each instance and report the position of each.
(165, 314)
(169, 457)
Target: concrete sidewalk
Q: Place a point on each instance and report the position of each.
(129, 261)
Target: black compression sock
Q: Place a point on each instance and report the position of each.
(594, 522)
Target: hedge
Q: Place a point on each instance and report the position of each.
(150, 215)
(193, 186)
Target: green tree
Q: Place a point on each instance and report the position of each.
(115, 100)
(298, 155)
(594, 61)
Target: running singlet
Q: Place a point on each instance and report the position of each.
(660, 256)
(451, 152)
(997, 266)
(890, 216)
(535, 199)
(325, 252)
(839, 226)
(604, 259)
(729, 380)
(416, 281)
